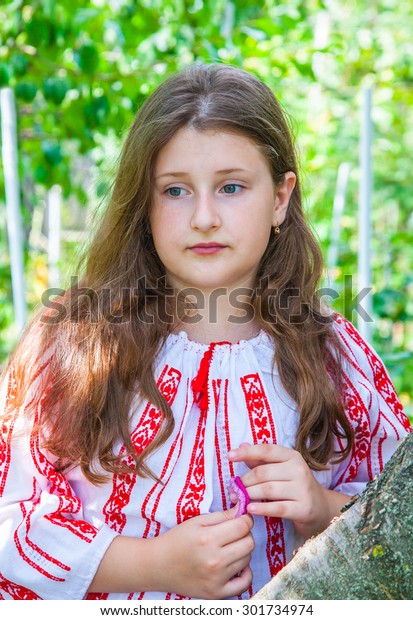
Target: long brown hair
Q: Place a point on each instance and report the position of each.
(99, 350)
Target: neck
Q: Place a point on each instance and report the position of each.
(216, 316)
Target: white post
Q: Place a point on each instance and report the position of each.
(227, 25)
(365, 327)
(54, 204)
(338, 210)
(12, 190)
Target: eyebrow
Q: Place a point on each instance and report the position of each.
(183, 174)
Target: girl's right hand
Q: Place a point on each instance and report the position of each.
(208, 556)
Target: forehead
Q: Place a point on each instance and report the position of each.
(191, 147)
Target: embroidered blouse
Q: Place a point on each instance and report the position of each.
(55, 527)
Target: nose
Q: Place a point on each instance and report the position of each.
(206, 215)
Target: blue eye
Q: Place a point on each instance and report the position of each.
(174, 191)
(229, 189)
(233, 186)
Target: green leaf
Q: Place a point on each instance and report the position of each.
(19, 64)
(4, 74)
(87, 58)
(41, 174)
(97, 111)
(55, 89)
(39, 32)
(52, 152)
(26, 91)
(391, 304)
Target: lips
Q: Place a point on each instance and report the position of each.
(207, 248)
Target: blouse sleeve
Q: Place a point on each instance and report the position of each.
(373, 410)
(47, 550)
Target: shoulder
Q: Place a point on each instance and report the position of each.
(357, 354)
(365, 371)
(349, 337)
(359, 360)
(27, 373)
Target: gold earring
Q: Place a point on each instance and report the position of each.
(276, 230)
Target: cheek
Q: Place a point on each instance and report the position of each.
(165, 232)
(156, 230)
(257, 238)
(256, 227)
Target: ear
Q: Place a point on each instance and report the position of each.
(282, 197)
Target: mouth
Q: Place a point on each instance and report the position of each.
(207, 248)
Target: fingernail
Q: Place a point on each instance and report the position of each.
(232, 454)
(252, 508)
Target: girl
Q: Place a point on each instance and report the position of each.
(194, 350)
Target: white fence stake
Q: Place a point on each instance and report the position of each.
(338, 210)
(12, 190)
(365, 327)
(54, 205)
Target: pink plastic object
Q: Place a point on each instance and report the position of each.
(241, 492)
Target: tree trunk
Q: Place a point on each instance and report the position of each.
(366, 553)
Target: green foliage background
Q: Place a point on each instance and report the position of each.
(80, 69)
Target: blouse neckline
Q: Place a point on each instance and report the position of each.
(261, 338)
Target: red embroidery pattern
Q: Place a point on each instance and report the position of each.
(81, 529)
(263, 431)
(380, 450)
(16, 591)
(150, 521)
(144, 433)
(5, 451)
(6, 434)
(253, 393)
(24, 534)
(258, 408)
(68, 502)
(382, 381)
(227, 426)
(97, 596)
(358, 415)
(176, 597)
(216, 384)
(191, 497)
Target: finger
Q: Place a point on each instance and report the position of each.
(238, 565)
(238, 584)
(275, 490)
(229, 532)
(282, 509)
(227, 528)
(261, 474)
(265, 452)
(252, 464)
(220, 516)
(239, 549)
(236, 568)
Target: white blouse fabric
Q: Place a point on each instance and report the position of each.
(55, 528)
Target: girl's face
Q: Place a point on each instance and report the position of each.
(214, 203)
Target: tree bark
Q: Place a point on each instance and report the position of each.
(366, 553)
